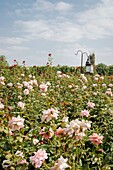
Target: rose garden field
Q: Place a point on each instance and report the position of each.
(54, 120)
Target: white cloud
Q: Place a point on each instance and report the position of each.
(44, 5)
(12, 40)
(94, 23)
(97, 22)
(104, 55)
(16, 48)
(63, 6)
(50, 30)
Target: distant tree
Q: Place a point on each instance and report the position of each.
(110, 70)
(3, 61)
(101, 69)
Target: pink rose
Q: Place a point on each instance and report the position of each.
(38, 158)
(16, 123)
(96, 139)
(21, 105)
(85, 113)
(26, 92)
(43, 88)
(23, 162)
(59, 131)
(90, 104)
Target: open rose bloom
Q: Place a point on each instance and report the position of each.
(96, 139)
(16, 123)
(49, 114)
(61, 164)
(91, 105)
(38, 158)
(85, 113)
(43, 88)
(21, 105)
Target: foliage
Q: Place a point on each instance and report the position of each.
(110, 70)
(3, 61)
(44, 108)
(101, 69)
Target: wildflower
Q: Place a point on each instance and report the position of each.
(61, 164)
(85, 113)
(38, 158)
(16, 123)
(21, 105)
(96, 139)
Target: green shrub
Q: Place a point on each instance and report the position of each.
(101, 69)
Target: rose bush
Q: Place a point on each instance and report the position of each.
(54, 120)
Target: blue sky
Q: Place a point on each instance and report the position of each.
(31, 29)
